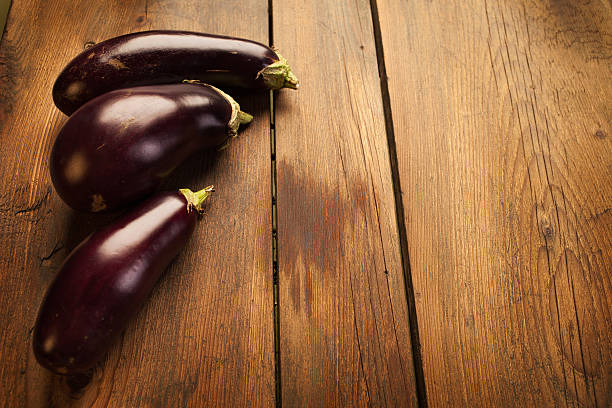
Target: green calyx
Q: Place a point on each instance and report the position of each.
(195, 200)
(237, 116)
(279, 75)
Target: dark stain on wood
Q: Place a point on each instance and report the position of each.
(319, 213)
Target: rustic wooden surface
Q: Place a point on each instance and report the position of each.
(345, 335)
(444, 232)
(502, 117)
(205, 337)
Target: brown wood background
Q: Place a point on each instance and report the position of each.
(442, 183)
(502, 115)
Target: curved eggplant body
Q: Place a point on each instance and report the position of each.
(105, 280)
(118, 147)
(162, 57)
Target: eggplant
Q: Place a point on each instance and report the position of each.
(161, 57)
(108, 276)
(118, 147)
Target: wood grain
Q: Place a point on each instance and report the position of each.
(205, 337)
(344, 325)
(502, 118)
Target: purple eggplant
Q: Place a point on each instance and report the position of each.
(118, 147)
(162, 57)
(106, 279)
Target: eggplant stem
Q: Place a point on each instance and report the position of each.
(244, 117)
(225, 144)
(279, 75)
(237, 117)
(195, 200)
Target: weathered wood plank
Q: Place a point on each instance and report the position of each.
(205, 338)
(344, 326)
(502, 119)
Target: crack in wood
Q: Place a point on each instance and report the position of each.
(37, 204)
(56, 248)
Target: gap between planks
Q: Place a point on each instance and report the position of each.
(275, 279)
(410, 299)
(275, 283)
(399, 210)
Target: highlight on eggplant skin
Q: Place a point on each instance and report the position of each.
(105, 280)
(118, 147)
(164, 56)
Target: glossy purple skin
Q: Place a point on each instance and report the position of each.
(105, 280)
(118, 147)
(160, 57)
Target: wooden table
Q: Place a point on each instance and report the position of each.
(427, 221)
